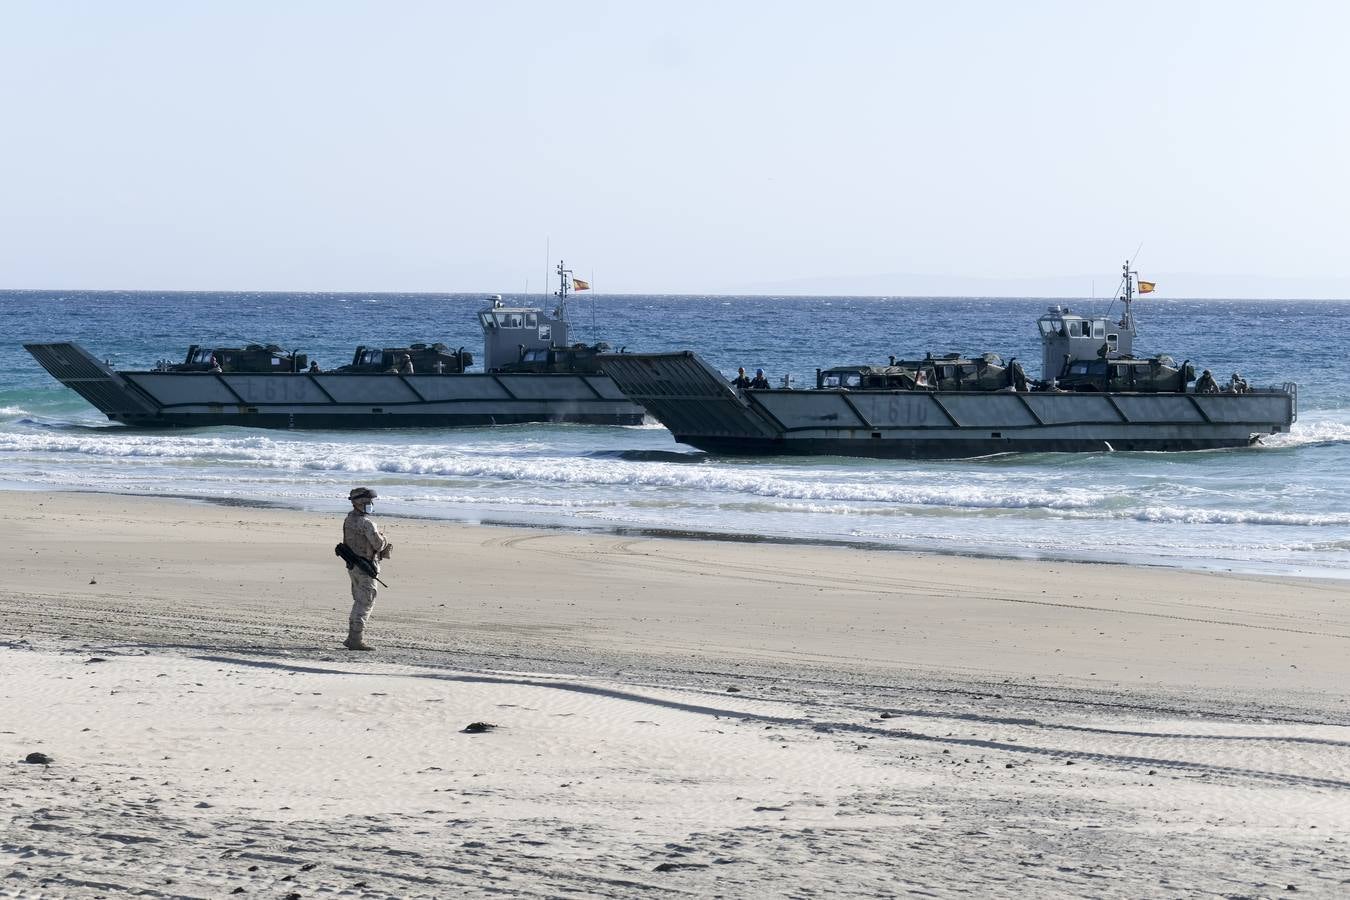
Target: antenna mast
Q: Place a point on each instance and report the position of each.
(564, 284)
(1127, 296)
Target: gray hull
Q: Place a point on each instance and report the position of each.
(336, 400)
(700, 408)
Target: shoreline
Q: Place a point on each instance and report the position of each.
(691, 534)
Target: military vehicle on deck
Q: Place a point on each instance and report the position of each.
(576, 358)
(866, 378)
(1159, 374)
(951, 372)
(253, 358)
(437, 359)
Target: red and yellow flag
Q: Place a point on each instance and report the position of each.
(1147, 287)
(579, 285)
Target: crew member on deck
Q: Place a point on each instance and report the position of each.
(405, 366)
(741, 381)
(759, 382)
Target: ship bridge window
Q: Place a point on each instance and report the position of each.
(202, 356)
(531, 320)
(1051, 327)
(488, 321)
(1099, 329)
(511, 320)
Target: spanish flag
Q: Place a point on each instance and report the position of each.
(1146, 287)
(579, 285)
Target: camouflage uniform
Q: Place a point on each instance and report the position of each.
(360, 532)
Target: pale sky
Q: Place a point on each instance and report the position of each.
(836, 147)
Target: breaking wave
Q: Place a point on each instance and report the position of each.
(423, 460)
(1173, 514)
(1310, 433)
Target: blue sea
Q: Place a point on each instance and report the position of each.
(1282, 507)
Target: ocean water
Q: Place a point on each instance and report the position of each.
(1282, 507)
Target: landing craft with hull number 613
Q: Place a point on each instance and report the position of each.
(1093, 395)
(262, 386)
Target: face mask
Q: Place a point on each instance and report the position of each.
(368, 508)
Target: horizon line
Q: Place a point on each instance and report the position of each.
(697, 294)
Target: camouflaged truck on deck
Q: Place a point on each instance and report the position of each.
(253, 358)
(1158, 375)
(426, 359)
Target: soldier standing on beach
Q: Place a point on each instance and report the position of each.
(363, 536)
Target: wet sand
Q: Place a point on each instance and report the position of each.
(692, 717)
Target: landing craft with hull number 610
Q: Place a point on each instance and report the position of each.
(414, 386)
(1093, 395)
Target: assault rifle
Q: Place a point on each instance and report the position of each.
(351, 559)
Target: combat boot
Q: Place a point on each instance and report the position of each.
(354, 641)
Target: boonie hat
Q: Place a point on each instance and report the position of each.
(362, 493)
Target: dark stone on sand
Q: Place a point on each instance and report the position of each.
(1008, 766)
(38, 759)
(887, 715)
(95, 659)
(477, 727)
(733, 690)
(237, 890)
(93, 581)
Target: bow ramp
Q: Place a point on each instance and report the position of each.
(686, 395)
(79, 370)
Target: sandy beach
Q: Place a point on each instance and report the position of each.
(673, 717)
